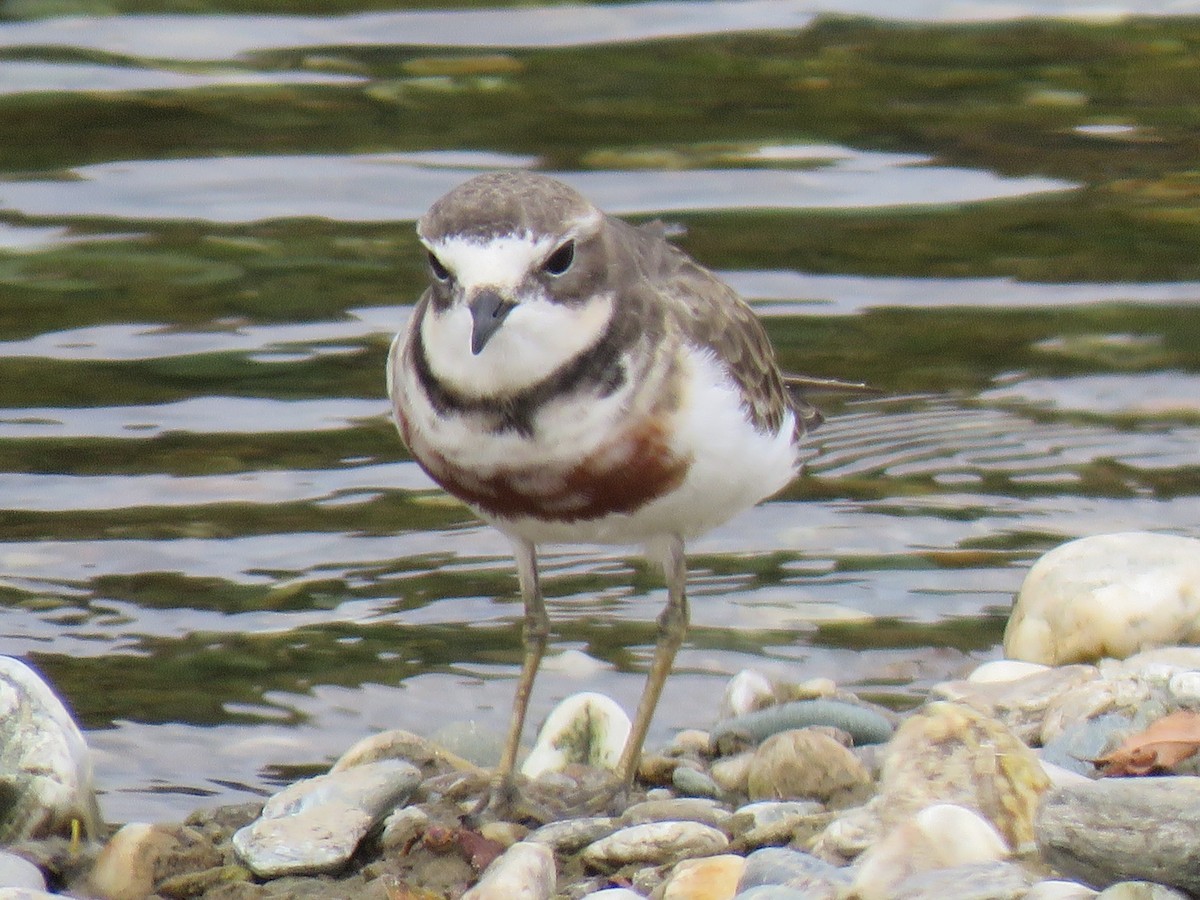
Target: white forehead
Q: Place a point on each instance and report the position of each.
(501, 262)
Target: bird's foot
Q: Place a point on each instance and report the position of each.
(579, 791)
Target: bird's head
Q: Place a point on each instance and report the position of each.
(518, 281)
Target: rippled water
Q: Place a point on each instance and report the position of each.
(210, 536)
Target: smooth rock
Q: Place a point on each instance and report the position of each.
(658, 843)
(1107, 595)
(748, 691)
(679, 809)
(1055, 889)
(710, 878)
(315, 825)
(690, 782)
(938, 837)
(1140, 890)
(768, 812)
(16, 872)
(997, 671)
(784, 867)
(864, 724)
(981, 881)
(946, 753)
(732, 773)
(570, 835)
(525, 871)
(806, 764)
(45, 765)
(15, 893)
(586, 728)
(139, 856)
(613, 894)
(429, 757)
(1124, 829)
(779, 892)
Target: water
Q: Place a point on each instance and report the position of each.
(214, 544)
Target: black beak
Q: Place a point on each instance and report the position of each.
(488, 311)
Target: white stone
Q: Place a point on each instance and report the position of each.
(746, 691)
(16, 872)
(1060, 890)
(1003, 670)
(584, 728)
(1107, 595)
(613, 894)
(655, 843)
(938, 837)
(315, 825)
(525, 871)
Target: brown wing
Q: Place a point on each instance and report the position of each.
(709, 313)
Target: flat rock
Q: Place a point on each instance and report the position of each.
(1107, 595)
(655, 843)
(1124, 829)
(315, 825)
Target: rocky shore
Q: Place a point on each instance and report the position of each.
(1032, 778)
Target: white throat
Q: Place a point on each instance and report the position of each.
(537, 338)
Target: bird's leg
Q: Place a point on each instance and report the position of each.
(672, 625)
(535, 631)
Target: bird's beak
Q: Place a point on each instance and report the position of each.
(488, 311)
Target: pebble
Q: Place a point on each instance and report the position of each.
(732, 773)
(315, 825)
(806, 764)
(659, 843)
(139, 856)
(694, 783)
(710, 878)
(423, 753)
(981, 881)
(782, 867)
(1055, 889)
(1139, 890)
(1137, 828)
(1107, 595)
(613, 894)
(746, 692)
(938, 837)
(587, 728)
(16, 872)
(681, 809)
(45, 764)
(525, 871)
(570, 835)
(864, 724)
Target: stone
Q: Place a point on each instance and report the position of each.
(806, 764)
(657, 843)
(1136, 829)
(586, 728)
(140, 856)
(710, 878)
(427, 756)
(45, 764)
(525, 871)
(1107, 595)
(16, 872)
(693, 783)
(732, 773)
(315, 825)
(980, 881)
(938, 837)
(1140, 890)
(679, 809)
(746, 692)
(864, 724)
(792, 869)
(570, 835)
(1056, 889)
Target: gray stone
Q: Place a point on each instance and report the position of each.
(979, 881)
(656, 843)
(315, 825)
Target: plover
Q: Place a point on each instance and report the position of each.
(574, 378)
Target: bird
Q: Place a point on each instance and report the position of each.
(575, 378)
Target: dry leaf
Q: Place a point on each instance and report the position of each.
(1165, 744)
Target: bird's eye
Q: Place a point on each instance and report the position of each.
(560, 260)
(440, 272)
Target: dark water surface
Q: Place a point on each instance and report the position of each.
(210, 536)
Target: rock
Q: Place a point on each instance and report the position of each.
(45, 765)
(785, 868)
(14, 893)
(690, 782)
(732, 773)
(864, 724)
(16, 872)
(938, 837)
(525, 871)
(1139, 890)
(946, 753)
(1107, 595)
(997, 671)
(571, 835)
(1054, 889)
(981, 881)
(1136, 829)
(780, 892)
(711, 878)
(681, 809)
(315, 825)
(806, 764)
(748, 691)
(587, 728)
(427, 756)
(658, 843)
(139, 857)
(613, 894)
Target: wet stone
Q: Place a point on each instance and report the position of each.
(525, 871)
(315, 825)
(659, 843)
